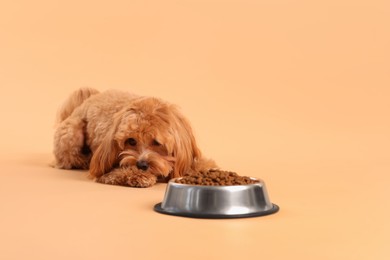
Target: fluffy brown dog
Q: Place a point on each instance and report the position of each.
(125, 139)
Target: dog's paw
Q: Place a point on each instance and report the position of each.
(128, 177)
(116, 177)
(141, 180)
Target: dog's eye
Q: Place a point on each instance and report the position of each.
(131, 141)
(155, 143)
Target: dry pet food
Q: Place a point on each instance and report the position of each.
(215, 178)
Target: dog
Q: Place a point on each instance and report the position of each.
(125, 139)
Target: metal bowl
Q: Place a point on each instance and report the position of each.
(198, 201)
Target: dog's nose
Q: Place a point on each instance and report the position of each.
(142, 165)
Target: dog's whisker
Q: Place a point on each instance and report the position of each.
(127, 160)
(161, 167)
(127, 153)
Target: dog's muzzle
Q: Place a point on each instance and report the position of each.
(142, 165)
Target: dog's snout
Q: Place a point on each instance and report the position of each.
(142, 165)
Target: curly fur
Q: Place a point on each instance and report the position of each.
(125, 139)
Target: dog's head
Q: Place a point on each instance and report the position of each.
(151, 135)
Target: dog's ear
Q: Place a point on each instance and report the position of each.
(104, 158)
(106, 155)
(185, 149)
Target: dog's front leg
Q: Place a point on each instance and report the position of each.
(128, 177)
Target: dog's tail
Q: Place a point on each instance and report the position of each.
(73, 101)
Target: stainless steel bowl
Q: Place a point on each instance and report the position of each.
(199, 201)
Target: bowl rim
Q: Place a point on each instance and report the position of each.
(173, 182)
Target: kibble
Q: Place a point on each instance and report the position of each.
(215, 177)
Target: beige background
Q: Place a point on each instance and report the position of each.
(294, 92)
